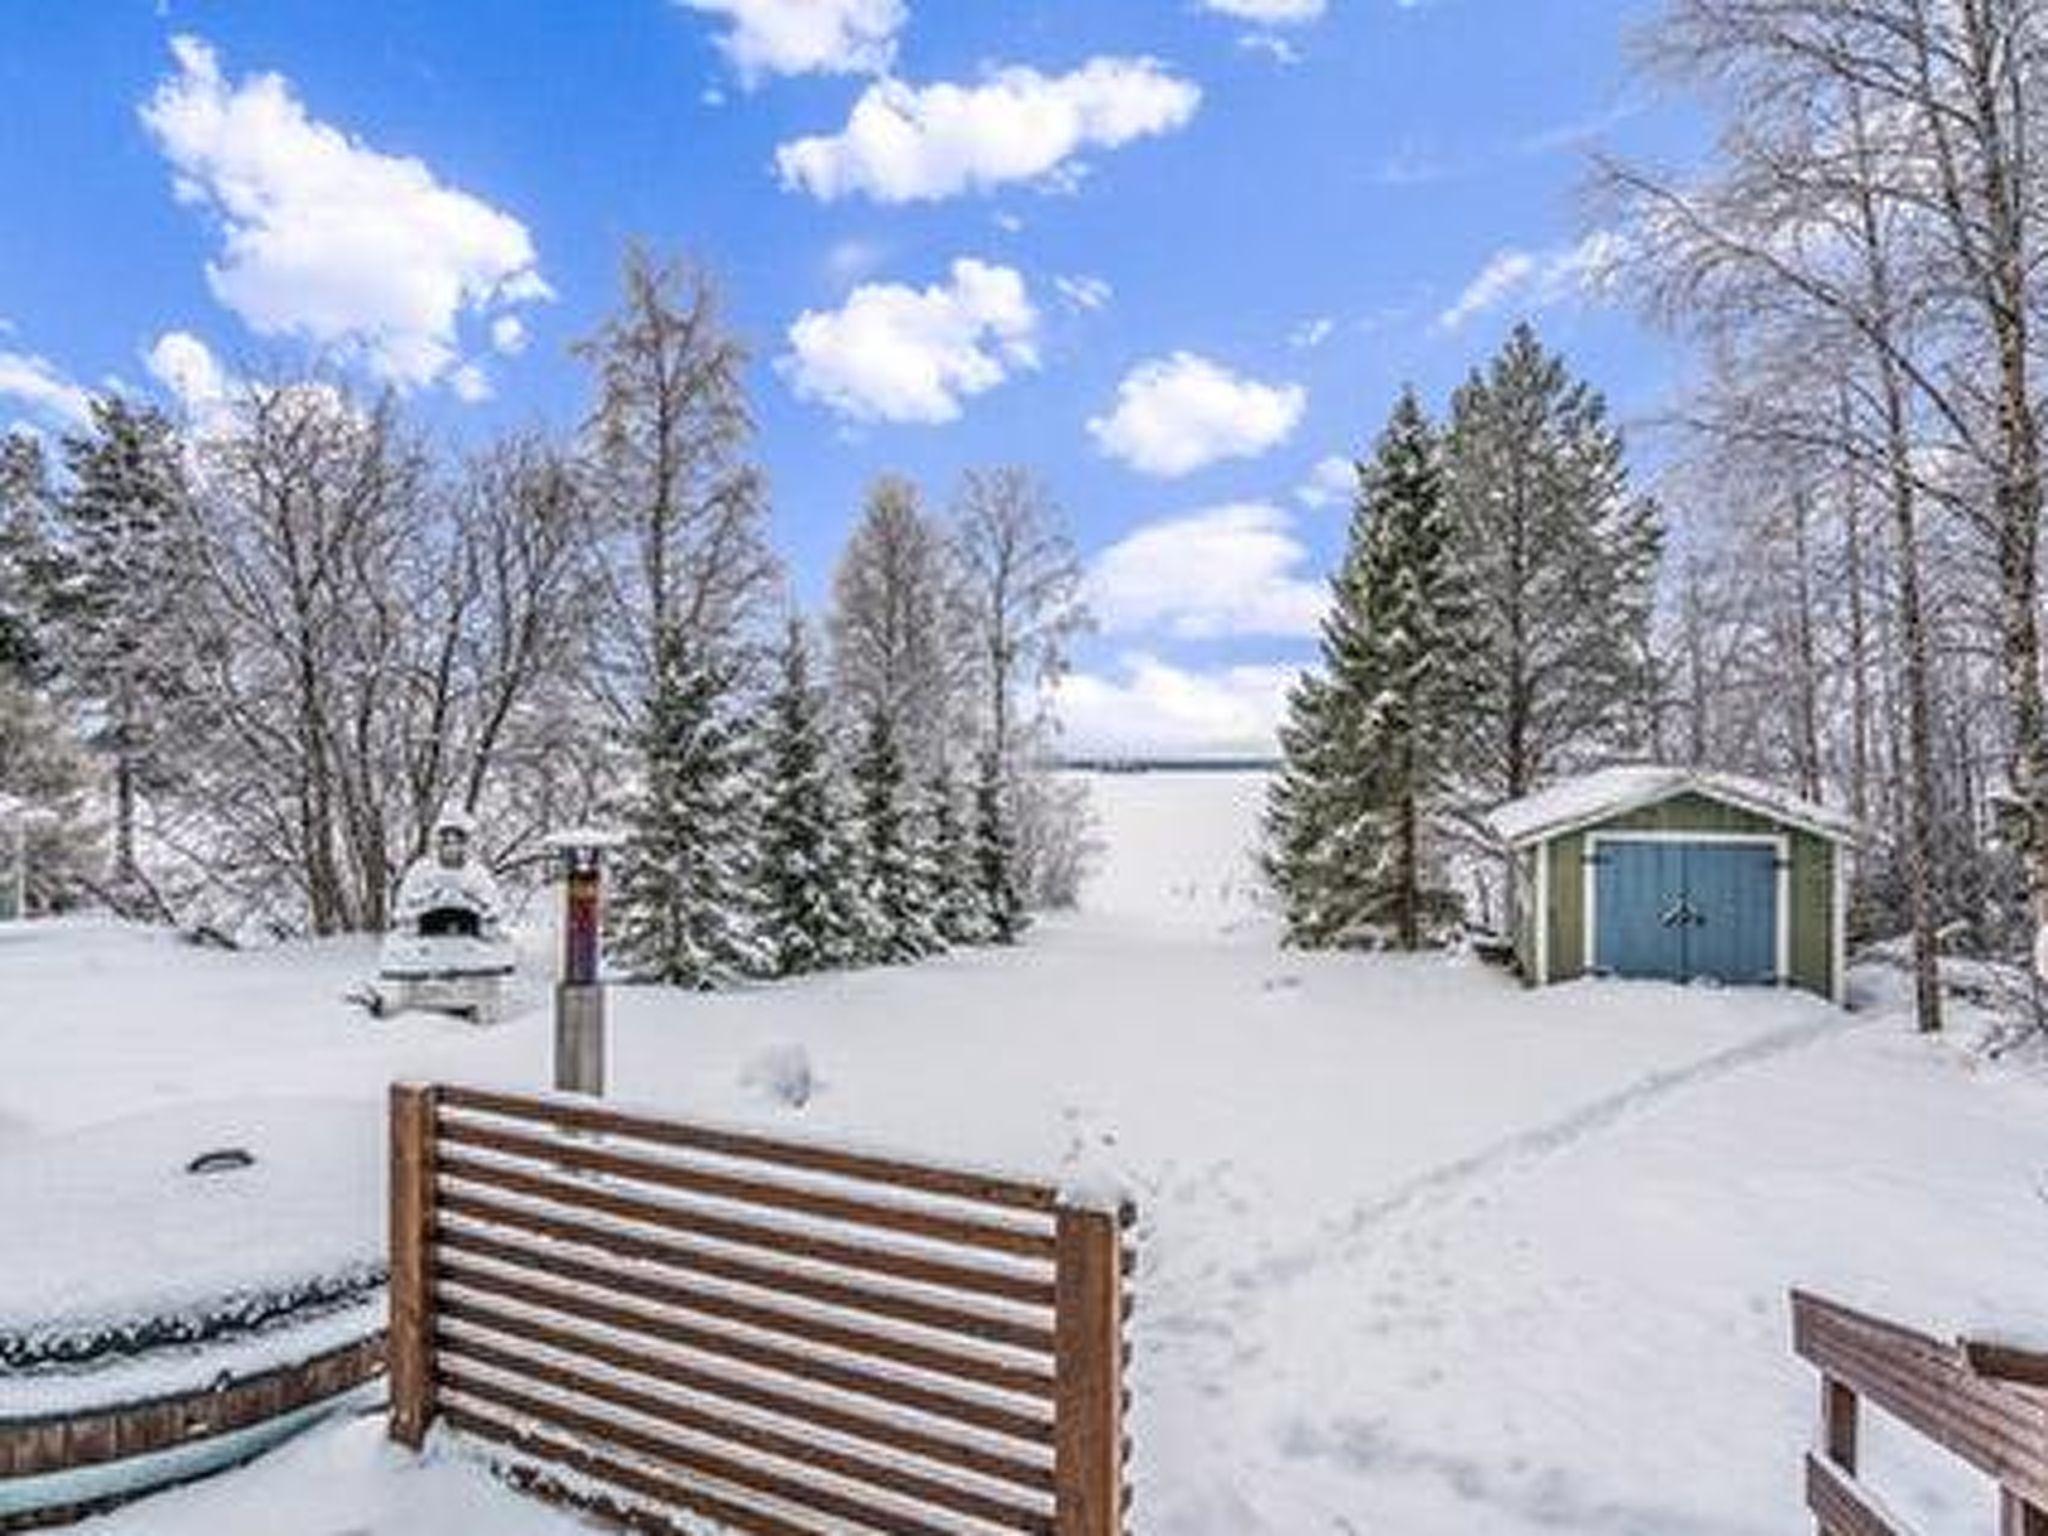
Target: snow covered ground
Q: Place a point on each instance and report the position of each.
(1423, 1253)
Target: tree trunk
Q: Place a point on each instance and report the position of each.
(1859, 667)
(1919, 717)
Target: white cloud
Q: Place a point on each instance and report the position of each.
(802, 37)
(1274, 46)
(895, 353)
(1176, 414)
(1537, 279)
(39, 385)
(470, 383)
(1151, 708)
(325, 238)
(1083, 292)
(508, 335)
(1503, 275)
(1311, 333)
(905, 143)
(204, 388)
(186, 366)
(1331, 483)
(1268, 12)
(1229, 570)
(848, 261)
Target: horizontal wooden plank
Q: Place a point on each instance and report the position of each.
(894, 1262)
(2005, 1362)
(665, 1492)
(673, 1253)
(660, 1448)
(813, 1328)
(564, 1152)
(895, 1433)
(1031, 1427)
(893, 1478)
(982, 1189)
(1927, 1385)
(1936, 1398)
(1841, 1506)
(62, 1442)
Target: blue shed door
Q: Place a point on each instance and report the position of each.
(1684, 910)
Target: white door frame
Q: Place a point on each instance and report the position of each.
(1779, 842)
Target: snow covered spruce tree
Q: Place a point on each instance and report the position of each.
(999, 867)
(898, 849)
(686, 892)
(901, 670)
(810, 907)
(964, 915)
(41, 765)
(1561, 555)
(689, 579)
(1368, 743)
(24, 552)
(118, 579)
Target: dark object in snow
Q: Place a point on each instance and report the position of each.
(222, 1160)
(782, 1073)
(1493, 948)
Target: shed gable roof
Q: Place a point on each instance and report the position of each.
(1592, 797)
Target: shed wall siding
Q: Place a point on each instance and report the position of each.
(1812, 883)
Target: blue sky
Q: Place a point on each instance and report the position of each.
(1174, 254)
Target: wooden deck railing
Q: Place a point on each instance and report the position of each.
(655, 1317)
(1982, 1403)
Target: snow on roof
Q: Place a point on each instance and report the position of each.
(1605, 792)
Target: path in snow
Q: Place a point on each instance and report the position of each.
(1524, 1147)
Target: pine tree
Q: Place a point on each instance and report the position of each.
(808, 905)
(899, 870)
(24, 555)
(686, 913)
(963, 911)
(1299, 809)
(995, 853)
(117, 594)
(1367, 744)
(1561, 555)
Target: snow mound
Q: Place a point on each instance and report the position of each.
(782, 1074)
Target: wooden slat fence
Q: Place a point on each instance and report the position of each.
(653, 1317)
(1981, 1403)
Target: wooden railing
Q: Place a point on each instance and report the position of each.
(661, 1318)
(1983, 1403)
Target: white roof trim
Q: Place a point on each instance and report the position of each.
(1607, 792)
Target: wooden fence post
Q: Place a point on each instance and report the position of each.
(410, 1342)
(1089, 1354)
(1838, 1423)
(2016, 1517)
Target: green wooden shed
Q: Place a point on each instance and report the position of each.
(1678, 873)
